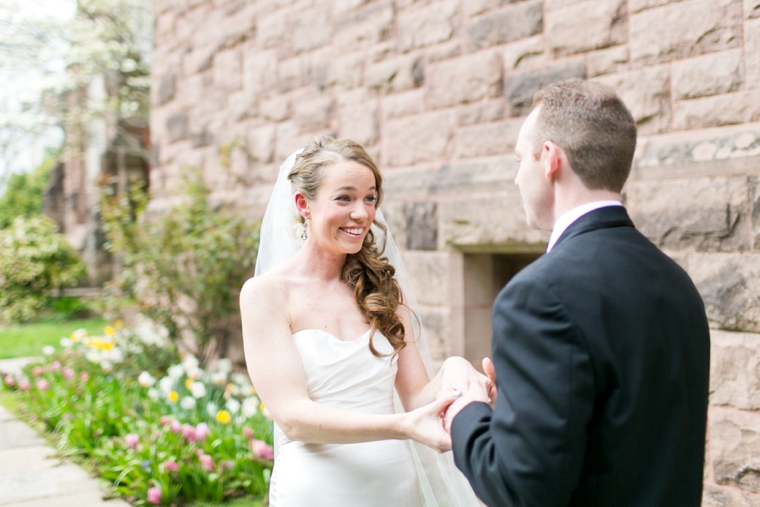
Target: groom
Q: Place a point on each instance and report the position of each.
(601, 346)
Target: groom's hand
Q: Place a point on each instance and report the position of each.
(475, 393)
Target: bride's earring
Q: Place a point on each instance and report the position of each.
(303, 231)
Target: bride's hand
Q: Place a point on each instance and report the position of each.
(425, 424)
(459, 374)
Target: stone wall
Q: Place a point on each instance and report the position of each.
(437, 89)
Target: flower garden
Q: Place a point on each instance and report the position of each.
(160, 429)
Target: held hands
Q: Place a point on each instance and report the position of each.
(477, 391)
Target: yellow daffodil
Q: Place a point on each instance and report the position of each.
(117, 324)
(223, 417)
(109, 330)
(189, 383)
(173, 397)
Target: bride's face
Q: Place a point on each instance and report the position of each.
(344, 209)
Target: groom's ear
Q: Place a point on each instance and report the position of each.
(553, 160)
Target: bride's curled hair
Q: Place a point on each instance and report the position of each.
(367, 272)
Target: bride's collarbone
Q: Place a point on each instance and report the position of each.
(335, 314)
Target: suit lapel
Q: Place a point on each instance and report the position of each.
(602, 218)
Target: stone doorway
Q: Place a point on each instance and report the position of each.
(485, 275)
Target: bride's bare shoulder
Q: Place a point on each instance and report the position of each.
(269, 290)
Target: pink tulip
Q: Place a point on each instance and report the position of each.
(68, 373)
(262, 450)
(228, 463)
(175, 426)
(24, 384)
(42, 384)
(84, 376)
(188, 432)
(10, 380)
(37, 370)
(154, 495)
(171, 466)
(201, 432)
(131, 440)
(248, 433)
(55, 366)
(166, 419)
(207, 462)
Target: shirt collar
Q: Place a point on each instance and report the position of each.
(574, 214)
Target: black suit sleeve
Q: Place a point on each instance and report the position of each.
(529, 450)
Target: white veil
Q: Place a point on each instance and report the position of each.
(441, 483)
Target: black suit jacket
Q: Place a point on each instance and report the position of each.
(602, 353)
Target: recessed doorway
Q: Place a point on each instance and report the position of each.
(484, 276)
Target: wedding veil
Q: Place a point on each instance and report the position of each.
(441, 483)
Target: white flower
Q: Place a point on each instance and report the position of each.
(176, 371)
(166, 385)
(225, 365)
(190, 362)
(48, 350)
(115, 355)
(219, 378)
(92, 356)
(66, 342)
(106, 365)
(146, 379)
(153, 393)
(194, 373)
(250, 406)
(198, 390)
(212, 409)
(233, 406)
(240, 379)
(188, 403)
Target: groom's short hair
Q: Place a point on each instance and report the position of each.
(594, 128)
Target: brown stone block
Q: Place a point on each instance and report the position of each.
(608, 61)
(752, 50)
(396, 75)
(752, 9)
(261, 143)
(497, 219)
(729, 285)
(444, 51)
(419, 28)
(276, 108)
(239, 24)
(259, 71)
(707, 75)
(475, 7)
(292, 73)
(640, 5)
(735, 370)
(341, 7)
(715, 496)
(483, 112)
(519, 87)
(489, 139)
(271, 29)
(430, 276)
(365, 28)
(409, 184)
(420, 225)
(359, 121)
(176, 127)
(466, 79)
(414, 139)
(727, 109)
(228, 70)
(437, 327)
(166, 89)
(700, 214)
(584, 26)
(646, 93)
(511, 23)
(735, 445)
(687, 28)
(310, 31)
(714, 152)
(475, 177)
(345, 72)
(404, 104)
(524, 53)
(312, 114)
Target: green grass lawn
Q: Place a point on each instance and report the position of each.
(240, 502)
(28, 339)
(9, 401)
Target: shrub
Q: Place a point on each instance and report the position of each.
(160, 436)
(34, 261)
(182, 266)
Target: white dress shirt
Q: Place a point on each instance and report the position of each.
(574, 214)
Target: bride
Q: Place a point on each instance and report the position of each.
(331, 332)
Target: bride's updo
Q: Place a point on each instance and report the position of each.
(368, 273)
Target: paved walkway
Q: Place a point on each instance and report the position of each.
(31, 475)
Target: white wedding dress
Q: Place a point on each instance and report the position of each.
(345, 375)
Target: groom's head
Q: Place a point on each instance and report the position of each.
(580, 125)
